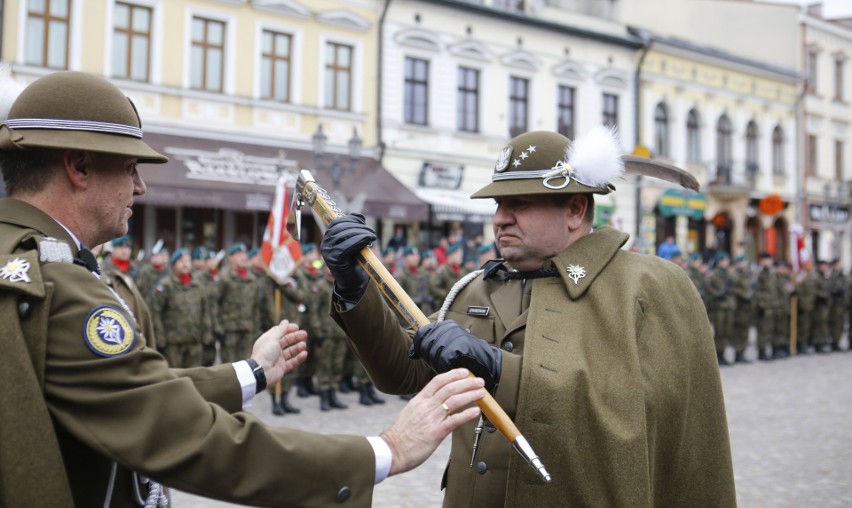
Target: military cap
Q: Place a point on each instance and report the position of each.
(410, 249)
(544, 162)
(79, 111)
(764, 255)
(695, 256)
(179, 253)
(122, 241)
(253, 252)
(199, 252)
(308, 247)
(428, 254)
(386, 251)
(454, 247)
(739, 259)
(720, 255)
(676, 253)
(237, 247)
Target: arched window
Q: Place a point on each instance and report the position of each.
(724, 157)
(661, 131)
(693, 137)
(751, 151)
(778, 150)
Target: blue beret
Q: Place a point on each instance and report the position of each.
(410, 249)
(237, 247)
(177, 255)
(254, 252)
(454, 247)
(122, 241)
(308, 247)
(200, 252)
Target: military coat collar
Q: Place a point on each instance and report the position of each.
(25, 215)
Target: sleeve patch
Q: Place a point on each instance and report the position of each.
(107, 332)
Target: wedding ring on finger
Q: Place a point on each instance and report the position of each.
(446, 408)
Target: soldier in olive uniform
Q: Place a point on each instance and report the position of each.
(695, 270)
(766, 301)
(822, 304)
(784, 290)
(722, 304)
(205, 271)
(742, 290)
(329, 347)
(92, 401)
(414, 281)
(837, 307)
(119, 258)
(182, 318)
(585, 345)
(805, 302)
(447, 274)
(308, 280)
(151, 272)
(239, 305)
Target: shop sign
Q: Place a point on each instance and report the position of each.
(229, 165)
(686, 203)
(771, 204)
(828, 213)
(440, 175)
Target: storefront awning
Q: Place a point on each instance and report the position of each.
(456, 205)
(206, 173)
(683, 202)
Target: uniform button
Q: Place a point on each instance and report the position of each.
(481, 467)
(343, 494)
(508, 346)
(23, 309)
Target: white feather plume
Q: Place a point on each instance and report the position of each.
(10, 89)
(596, 157)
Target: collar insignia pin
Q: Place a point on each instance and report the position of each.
(576, 272)
(16, 270)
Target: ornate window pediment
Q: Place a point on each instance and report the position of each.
(521, 59)
(611, 78)
(571, 70)
(470, 49)
(286, 7)
(345, 19)
(422, 39)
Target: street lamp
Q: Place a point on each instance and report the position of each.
(338, 170)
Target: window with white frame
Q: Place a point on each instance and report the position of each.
(131, 41)
(752, 165)
(518, 105)
(275, 65)
(338, 76)
(468, 99)
(565, 111)
(610, 110)
(839, 67)
(416, 93)
(47, 33)
(207, 54)
(778, 150)
(693, 137)
(724, 150)
(661, 130)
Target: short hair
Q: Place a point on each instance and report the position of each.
(28, 171)
(589, 216)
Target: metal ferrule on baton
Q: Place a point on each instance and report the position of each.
(308, 192)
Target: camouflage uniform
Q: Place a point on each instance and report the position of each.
(806, 293)
(416, 285)
(210, 282)
(239, 313)
(819, 339)
(766, 299)
(442, 281)
(742, 290)
(271, 316)
(784, 288)
(722, 303)
(182, 320)
(147, 279)
(309, 282)
(837, 308)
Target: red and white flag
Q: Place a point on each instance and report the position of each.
(279, 251)
(801, 257)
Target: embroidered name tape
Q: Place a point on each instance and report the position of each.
(108, 332)
(477, 311)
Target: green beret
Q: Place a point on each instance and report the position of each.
(123, 241)
(254, 252)
(410, 249)
(695, 256)
(454, 247)
(237, 247)
(199, 252)
(179, 253)
(485, 248)
(308, 247)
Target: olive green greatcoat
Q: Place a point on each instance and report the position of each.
(612, 379)
(72, 412)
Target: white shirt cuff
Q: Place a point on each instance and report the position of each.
(384, 457)
(247, 381)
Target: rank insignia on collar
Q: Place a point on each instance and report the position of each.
(576, 272)
(108, 332)
(51, 250)
(16, 270)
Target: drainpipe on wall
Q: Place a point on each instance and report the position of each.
(801, 110)
(647, 41)
(379, 141)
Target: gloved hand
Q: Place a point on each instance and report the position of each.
(445, 345)
(343, 240)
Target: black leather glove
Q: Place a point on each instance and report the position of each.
(341, 243)
(445, 345)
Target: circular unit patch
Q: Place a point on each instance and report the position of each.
(107, 332)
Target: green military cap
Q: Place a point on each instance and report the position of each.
(485, 248)
(695, 256)
(74, 110)
(199, 252)
(722, 255)
(177, 255)
(237, 247)
(410, 249)
(122, 241)
(454, 247)
(308, 247)
(544, 162)
(739, 259)
(253, 252)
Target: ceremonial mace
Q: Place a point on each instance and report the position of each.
(310, 193)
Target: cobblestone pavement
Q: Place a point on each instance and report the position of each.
(790, 423)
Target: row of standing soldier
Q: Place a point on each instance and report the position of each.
(771, 297)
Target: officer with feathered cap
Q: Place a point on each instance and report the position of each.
(577, 338)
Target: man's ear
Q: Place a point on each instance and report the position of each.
(575, 210)
(77, 168)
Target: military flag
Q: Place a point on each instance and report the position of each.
(279, 251)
